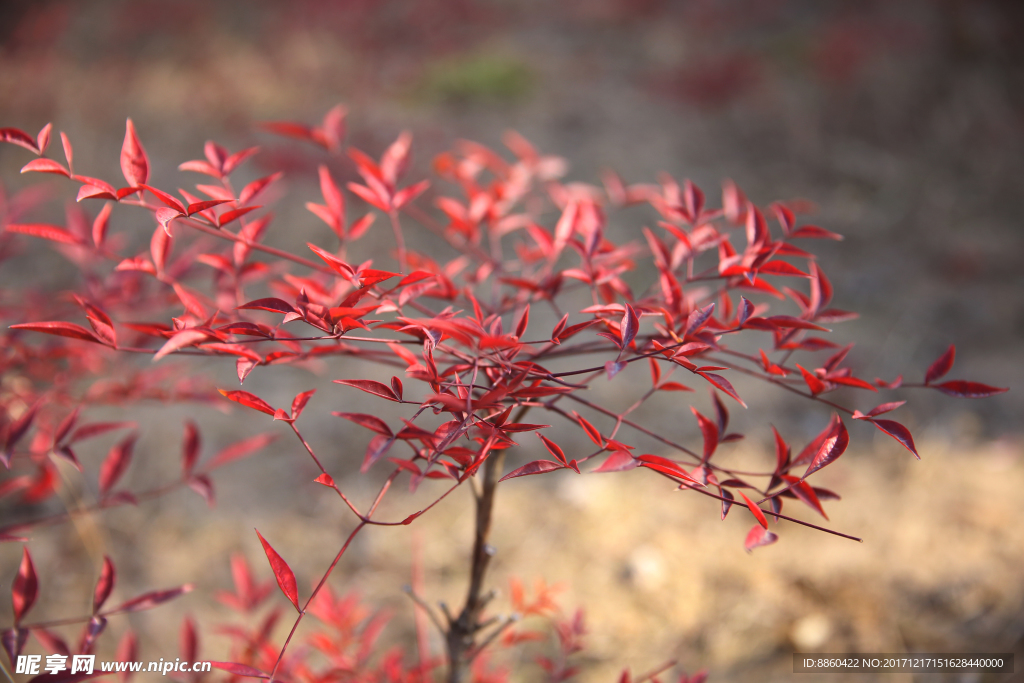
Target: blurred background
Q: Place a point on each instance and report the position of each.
(903, 123)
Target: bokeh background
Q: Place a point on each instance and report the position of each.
(903, 122)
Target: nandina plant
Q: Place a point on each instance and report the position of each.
(490, 345)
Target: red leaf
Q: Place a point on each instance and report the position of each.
(831, 447)
(629, 326)
(300, 401)
(524, 320)
(673, 386)
(269, 304)
(60, 329)
(45, 166)
(727, 501)
(898, 432)
(333, 261)
(660, 464)
(332, 194)
(573, 329)
(722, 384)
(782, 452)
(759, 536)
(790, 321)
(378, 446)
(99, 226)
(709, 430)
(180, 341)
(805, 492)
(325, 479)
(196, 207)
(781, 268)
(201, 484)
(369, 277)
(878, 410)
(47, 232)
(18, 137)
(554, 449)
(134, 164)
(614, 367)
(962, 389)
(815, 232)
(369, 421)
(167, 199)
(190, 448)
(151, 599)
(88, 431)
(697, 318)
(250, 191)
(282, 572)
(941, 366)
(618, 461)
(248, 400)
(116, 462)
(25, 588)
(104, 585)
(813, 383)
(369, 196)
(370, 387)
(591, 431)
(239, 450)
(535, 467)
(406, 195)
(852, 382)
(754, 510)
(229, 216)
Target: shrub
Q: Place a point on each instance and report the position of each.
(502, 333)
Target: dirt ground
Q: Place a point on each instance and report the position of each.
(903, 122)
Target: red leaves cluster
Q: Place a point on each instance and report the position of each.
(465, 324)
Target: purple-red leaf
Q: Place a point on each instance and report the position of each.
(239, 450)
(709, 430)
(554, 449)
(755, 510)
(282, 572)
(962, 389)
(20, 138)
(629, 326)
(190, 448)
(722, 384)
(25, 588)
(941, 366)
(248, 400)
(878, 410)
(898, 432)
(759, 536)
(369, 421)
(104, 585)
(151, 599)
(618, 461)
(116, 463)
(370, 387)
(300, 401)
(833, 445)
(535, 467)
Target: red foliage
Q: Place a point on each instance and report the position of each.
(522, 244)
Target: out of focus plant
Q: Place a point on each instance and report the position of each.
(701, 296)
